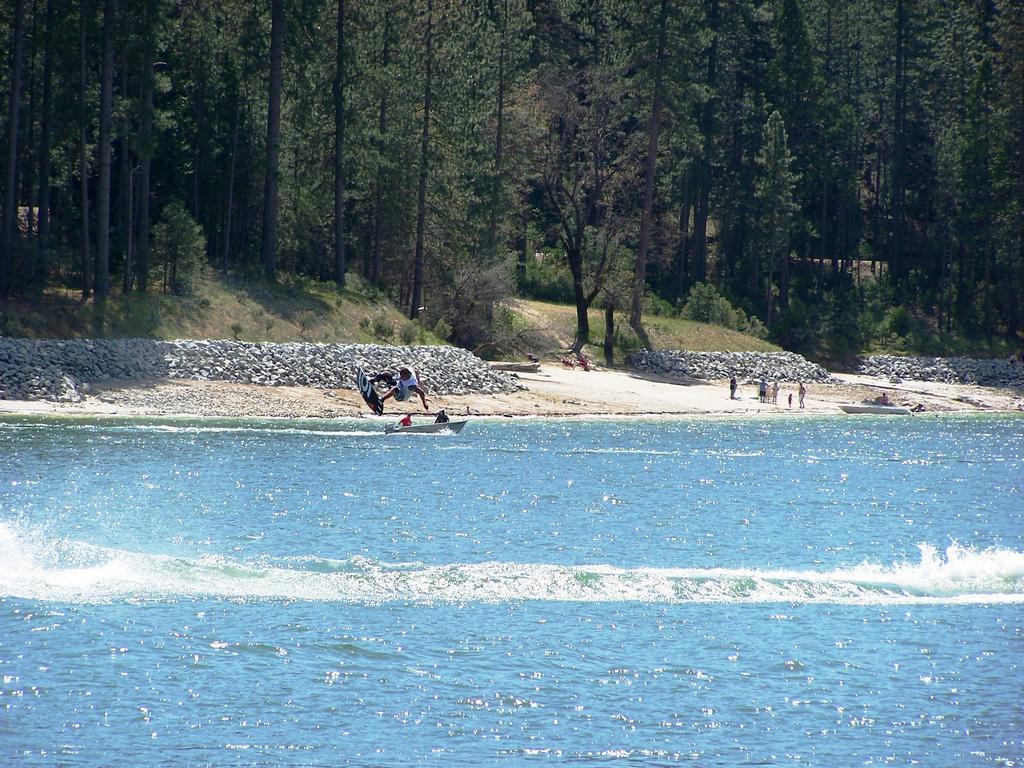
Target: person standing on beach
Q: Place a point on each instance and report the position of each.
(803, 392)
(732, 388)
(790, 400)
(775, 393)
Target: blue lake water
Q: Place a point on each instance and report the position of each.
(792, 592)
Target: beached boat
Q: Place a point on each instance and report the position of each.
(452, 427)
(891, 410)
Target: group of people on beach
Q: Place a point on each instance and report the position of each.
(769, 394)
(406, 384)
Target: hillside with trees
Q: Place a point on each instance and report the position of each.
(839, 175)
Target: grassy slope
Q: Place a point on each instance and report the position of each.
(299, 309)
(552, 328)
(293, 310)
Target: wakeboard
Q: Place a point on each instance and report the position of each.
(370, 396)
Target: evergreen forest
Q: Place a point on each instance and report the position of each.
(831, 172)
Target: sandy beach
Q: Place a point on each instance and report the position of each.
(554, 390)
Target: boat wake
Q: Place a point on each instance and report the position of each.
(39, 568)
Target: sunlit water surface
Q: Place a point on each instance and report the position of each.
(812, 592)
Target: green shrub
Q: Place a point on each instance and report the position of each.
(752, 326)
(305, 320)
(898, 321)
(706, 305)
(548, 280)
(442, 330)
(383, 329)
(409, 333)
(179, 245)
(657, 307)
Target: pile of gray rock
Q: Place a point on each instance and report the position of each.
(61, 369)
(1002, 372)
(715, 366)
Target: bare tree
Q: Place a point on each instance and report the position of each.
(581, 164)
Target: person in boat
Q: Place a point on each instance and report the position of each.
(442, 417)
(406, 385)
(405, 421)
(883, 399)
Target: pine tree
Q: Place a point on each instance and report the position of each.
(775, 195)
(9, 214)
(268, 247)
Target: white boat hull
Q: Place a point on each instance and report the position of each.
(891, 410)
(444, 427)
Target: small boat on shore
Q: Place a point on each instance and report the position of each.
(443, 427)
(877, 408)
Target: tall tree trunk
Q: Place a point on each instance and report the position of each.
(897, 269)
(707, 126)
(83, 153)
(524, 245)
(26, 143)
(339, 152)
(229, 216)
(106, 118)
(653, 127)
(9, 217)
(126, 192)
(127, 223)
(43, 243)
(609, 331)
(574, 256)
(784, 278)
(146, 141)
(376, 267)
(683, 248)
(268, 246)
(492, 226)
(421, 198)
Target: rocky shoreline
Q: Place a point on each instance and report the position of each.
(716, 366)
(992, 372)
(62, 370)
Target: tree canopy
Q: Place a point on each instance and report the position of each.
(813, 162)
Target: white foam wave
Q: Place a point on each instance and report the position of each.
(277, 430)
(33, 567)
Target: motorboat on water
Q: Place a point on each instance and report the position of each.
(435, 427)
(877, 408)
